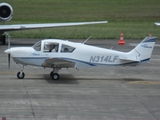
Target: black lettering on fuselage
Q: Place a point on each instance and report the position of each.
(96, 59)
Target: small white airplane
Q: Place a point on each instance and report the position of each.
(6, 13)
(57, 54)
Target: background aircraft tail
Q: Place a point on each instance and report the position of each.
(143, 51)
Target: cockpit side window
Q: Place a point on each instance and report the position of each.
(67, 48)
(37, 46)
(50, 47)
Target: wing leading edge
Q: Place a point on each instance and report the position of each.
(45, 25)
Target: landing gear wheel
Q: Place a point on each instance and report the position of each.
(20, 75)
(51, 74)
(54, 76)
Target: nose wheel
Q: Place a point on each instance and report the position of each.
(20, 75)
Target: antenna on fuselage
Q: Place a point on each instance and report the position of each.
(87, 39)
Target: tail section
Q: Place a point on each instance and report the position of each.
(143, 51)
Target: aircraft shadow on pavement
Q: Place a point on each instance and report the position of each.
(132, 79)
(70, 79)
(64, 79)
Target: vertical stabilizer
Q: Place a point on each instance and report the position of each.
(143, 50)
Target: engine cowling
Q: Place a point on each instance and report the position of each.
(6, 12)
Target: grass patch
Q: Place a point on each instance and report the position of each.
(135, 18)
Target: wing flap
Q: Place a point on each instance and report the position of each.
(58, 63)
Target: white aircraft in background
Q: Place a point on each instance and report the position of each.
(6, 12)
(157, 24)
(57, 54)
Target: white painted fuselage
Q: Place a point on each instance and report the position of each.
(82, 55)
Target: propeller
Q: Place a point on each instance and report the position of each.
(9, 56)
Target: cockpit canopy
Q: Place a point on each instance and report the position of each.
(51, 46)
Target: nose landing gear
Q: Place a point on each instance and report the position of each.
(20, 74)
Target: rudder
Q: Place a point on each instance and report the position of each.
(143, 50)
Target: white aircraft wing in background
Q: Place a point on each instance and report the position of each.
(15, 27)
(6, 13)
(45, 25)
(157, 24)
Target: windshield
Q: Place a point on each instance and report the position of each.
(37, 46)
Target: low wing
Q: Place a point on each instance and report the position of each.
(58, 63)
(47, 25)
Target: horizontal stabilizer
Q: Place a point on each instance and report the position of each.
(124, 58)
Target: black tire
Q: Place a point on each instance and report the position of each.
(54, 76)
(20, 75)
(51, 74)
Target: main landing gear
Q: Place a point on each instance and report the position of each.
(54, 74)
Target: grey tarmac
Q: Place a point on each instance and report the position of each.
(111, 93)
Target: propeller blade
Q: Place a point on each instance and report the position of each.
(9, 61)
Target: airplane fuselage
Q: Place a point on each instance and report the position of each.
(83, 55)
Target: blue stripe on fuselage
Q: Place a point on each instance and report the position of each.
(91, 64)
